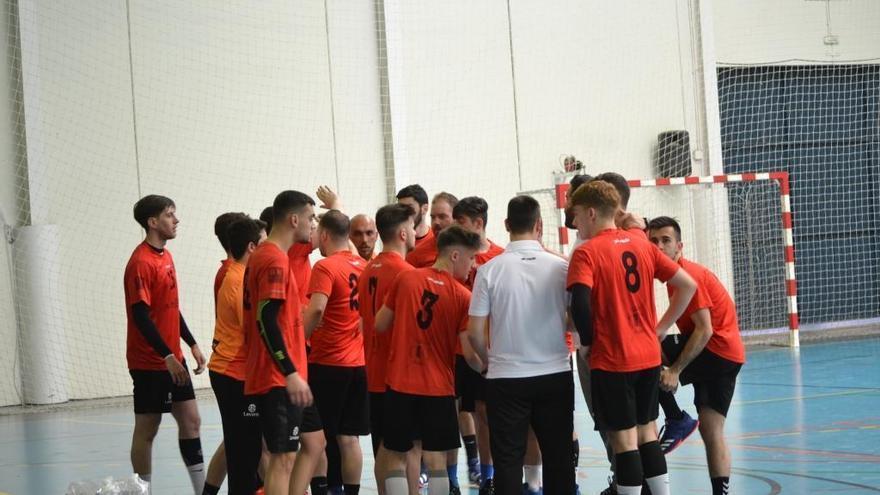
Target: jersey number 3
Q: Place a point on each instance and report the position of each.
(426, 315)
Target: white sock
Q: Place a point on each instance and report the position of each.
(630, 490)
(197, 477)
(147, 478)
(533, 477)
(659, 485)
(397, 485)
(438, 484)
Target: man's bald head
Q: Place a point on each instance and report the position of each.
(363, 235)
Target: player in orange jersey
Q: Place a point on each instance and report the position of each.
(336, 361)
(396, 228)
(472, 213)
(155, 327)
(276, 370)
(416, 198)
(425, 252)
(227, 365)
(612, 305)
(427, 312)
(709, 353)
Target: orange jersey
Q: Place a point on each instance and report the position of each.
(430, 310)
(218, 279)
(712, 295)
(619, 266)
(481, 259)
(425, 253)
(229, 357)
(426, 238)
(338, 341)
(301, 266)
(268, 276)
(150, 277)
(374, 284)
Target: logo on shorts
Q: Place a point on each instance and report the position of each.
(168, 400)
(251, 411)
(294, 435)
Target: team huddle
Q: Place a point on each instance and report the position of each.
(440, 338)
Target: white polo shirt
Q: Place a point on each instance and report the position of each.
(523, 293)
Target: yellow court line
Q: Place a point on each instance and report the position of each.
(804, 397)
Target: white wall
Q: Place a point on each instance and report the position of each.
(598, 82)
(759, 31)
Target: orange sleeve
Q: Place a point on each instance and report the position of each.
(273, 282)
(322, 280)
(580, 269)
(138, 282)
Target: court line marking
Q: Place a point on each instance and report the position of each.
(805, 397)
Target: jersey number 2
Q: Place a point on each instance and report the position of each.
(426, 315)
(353, 295)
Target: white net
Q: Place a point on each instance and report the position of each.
(222, 105)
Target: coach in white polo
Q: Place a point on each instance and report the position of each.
(520, 296)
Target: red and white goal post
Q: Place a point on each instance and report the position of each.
(703, 207)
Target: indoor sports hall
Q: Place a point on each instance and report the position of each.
(754, 123)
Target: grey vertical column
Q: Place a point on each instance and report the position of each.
(385, 102)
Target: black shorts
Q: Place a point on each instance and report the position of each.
(713, 377)
(280, 420)
(470, 386)
(377, 419)
(410, 417)
(342, 399)
(622, 400)
(155, 391)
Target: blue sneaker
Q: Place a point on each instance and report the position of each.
(674, 432)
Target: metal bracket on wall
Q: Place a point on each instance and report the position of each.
(9, 234)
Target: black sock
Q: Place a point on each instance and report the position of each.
(191, 450)
(629, 468)
(670, 406)
(319, 485)
(653, 460)
(351, 489)
(210, 489)
(720, 485)
(575, 452)
(470, 446)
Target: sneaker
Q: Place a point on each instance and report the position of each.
(454, 490)
(335, 490)
(611, 490)
(674, 432)
(474, 475)
(423, 483)
(488, 487)
(527, 491)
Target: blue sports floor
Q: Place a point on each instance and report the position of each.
(804, 421)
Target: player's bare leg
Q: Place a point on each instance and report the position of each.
(146, 426)
(277, 480)
(311, 451)
(217, 468)
(532, 463)
(189, 423)
(481, 422)
(352, 459)
(717, 453)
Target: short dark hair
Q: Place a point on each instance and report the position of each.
(619, 183)
(523, 213)
(221, 226)
(288, 202)
(266, 216)
(445, 196)
(577, 180)
(661, 222)
(415, 192)
(389, 218)
(150, 206)
(456, 236)
(336, 223)
(473, 207)
(241, 232)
